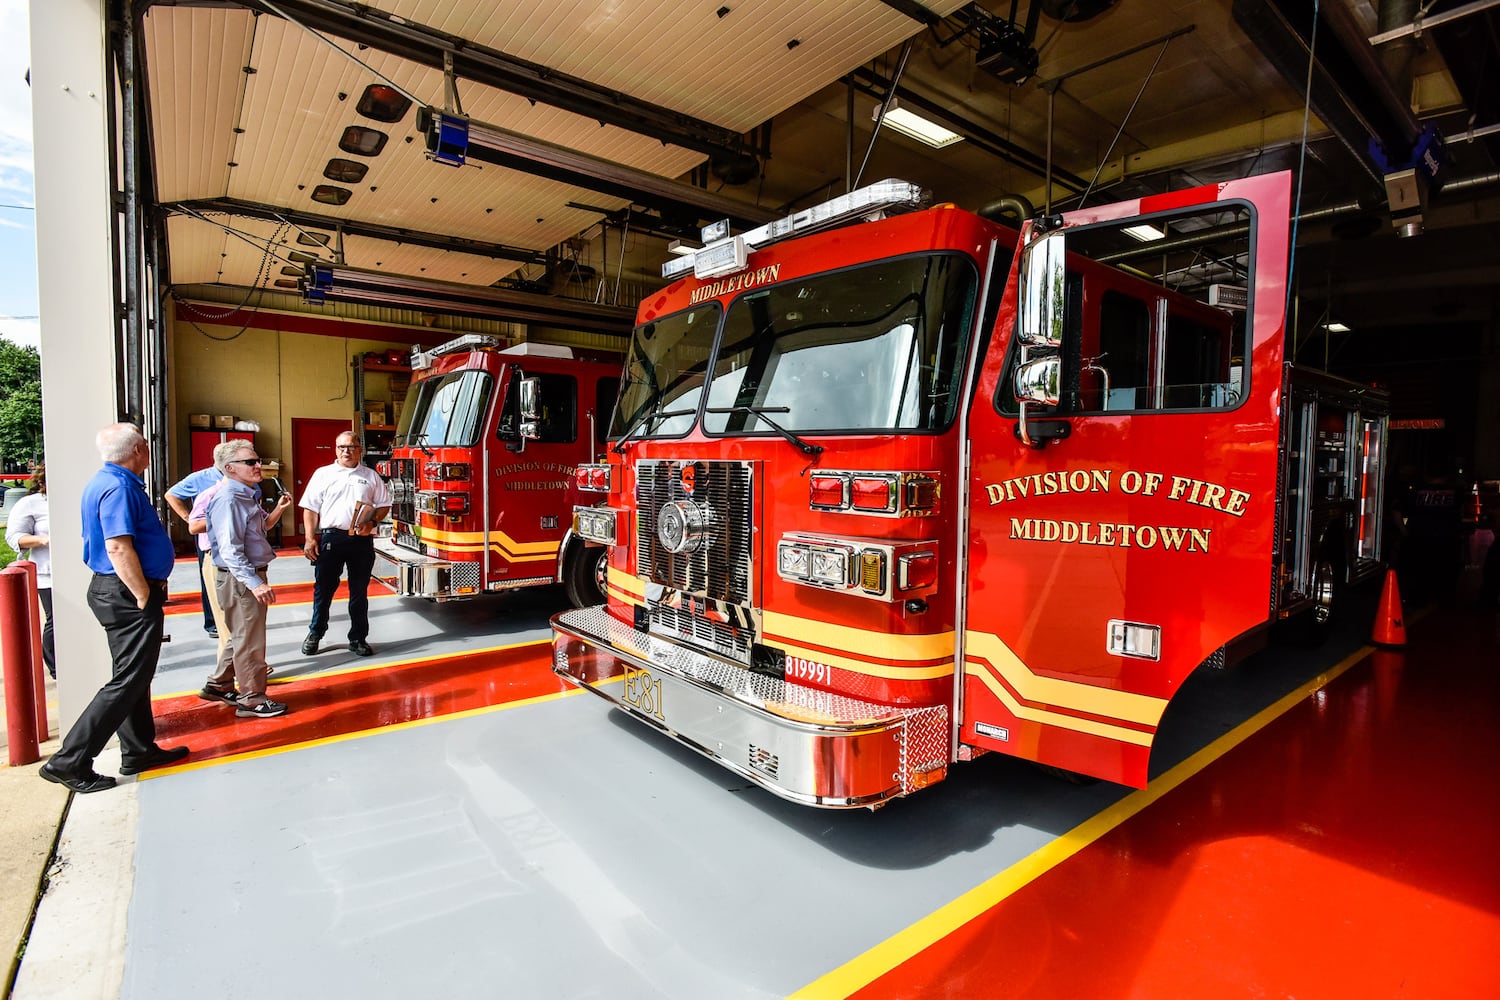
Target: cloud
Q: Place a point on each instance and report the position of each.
(25, 332)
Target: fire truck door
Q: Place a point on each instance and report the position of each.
(1132, 538)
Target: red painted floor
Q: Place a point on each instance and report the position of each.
(328, 705)
(1350, 849)
(190, 603)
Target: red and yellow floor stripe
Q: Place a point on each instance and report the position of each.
(346, 704)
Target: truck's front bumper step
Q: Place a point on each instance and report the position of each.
(411, 574)
(802, 743)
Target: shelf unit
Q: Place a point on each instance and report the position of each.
(377, 438)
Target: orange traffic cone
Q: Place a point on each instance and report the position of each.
(1390, 626)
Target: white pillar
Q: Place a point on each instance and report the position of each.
(74, 219)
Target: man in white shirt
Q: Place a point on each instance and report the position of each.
(340, 508)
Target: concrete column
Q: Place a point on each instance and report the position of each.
(74, 219)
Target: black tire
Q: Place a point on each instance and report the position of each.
(583, 575)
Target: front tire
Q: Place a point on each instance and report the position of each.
(584, 575)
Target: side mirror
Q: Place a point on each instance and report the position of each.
(1039, 381)
(1042, 296)
(529, 430)
(531, 402)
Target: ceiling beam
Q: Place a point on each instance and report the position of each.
(354, 227)
(419, 43)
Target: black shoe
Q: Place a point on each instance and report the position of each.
(310, 645)
(81, 783)
(212, 630)
(360, 648)
(157, 757)
(211, 693)
(267, 709)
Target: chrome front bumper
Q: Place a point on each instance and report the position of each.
(801, 743)
(411, 574)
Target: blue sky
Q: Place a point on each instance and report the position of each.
(18, 306)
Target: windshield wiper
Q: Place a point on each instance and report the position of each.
(417, 439)
(643, 420)
(759, 412)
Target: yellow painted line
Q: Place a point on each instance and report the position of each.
(363, 667)
(902, 946)
(357, 734)
(1085, 697)
(458, 539)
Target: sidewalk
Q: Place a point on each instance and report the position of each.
(31, 814)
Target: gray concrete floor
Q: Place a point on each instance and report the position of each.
(550, 849)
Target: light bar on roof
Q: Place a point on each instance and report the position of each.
(870, 202)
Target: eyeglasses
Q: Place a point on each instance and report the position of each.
(346, 447)
(244, 461)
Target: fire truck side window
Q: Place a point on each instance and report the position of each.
(557, 421)
(1154, 315)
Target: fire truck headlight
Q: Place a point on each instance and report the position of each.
(830, 568)
(595, 525)
(792, 560)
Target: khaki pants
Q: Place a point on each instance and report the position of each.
(242, 639)
(210, 578)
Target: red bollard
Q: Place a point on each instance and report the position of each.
(38, 681)
(15, 652)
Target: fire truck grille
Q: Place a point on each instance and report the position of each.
(720, 566)
(403, 485)
(680, 623)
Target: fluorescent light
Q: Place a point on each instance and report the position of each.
(1335, 327)
(914, 126)
(1145, 233)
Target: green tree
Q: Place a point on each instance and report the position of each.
(20, 402)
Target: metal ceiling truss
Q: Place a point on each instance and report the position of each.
(454, 140)
(354, 227)
(419, 43)
(333, 282)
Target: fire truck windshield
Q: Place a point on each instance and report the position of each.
(878, 347)
(448, 410)
(664, 374)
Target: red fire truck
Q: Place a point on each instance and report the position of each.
(482, 472)
(889, 488)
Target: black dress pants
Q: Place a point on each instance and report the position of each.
(123, 704)
(338, 549)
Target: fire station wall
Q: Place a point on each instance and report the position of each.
(268, 376)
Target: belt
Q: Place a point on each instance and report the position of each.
(333, 531)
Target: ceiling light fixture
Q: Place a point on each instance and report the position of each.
(1145, 233)
(1335, 327)
(914, 126)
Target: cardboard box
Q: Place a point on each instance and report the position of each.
(374, 414)
(200, 420)
(224, 423)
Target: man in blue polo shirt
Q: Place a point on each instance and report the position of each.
(126, 546)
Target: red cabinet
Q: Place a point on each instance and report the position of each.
(205, 441)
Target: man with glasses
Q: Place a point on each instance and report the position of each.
(236, 527)
(341, 506)
(131, 555)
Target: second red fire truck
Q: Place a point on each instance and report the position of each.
(482, 472)
(889, 488)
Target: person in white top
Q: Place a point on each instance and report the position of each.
(30, 533)
(341, 506)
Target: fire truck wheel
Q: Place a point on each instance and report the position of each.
(584, 576)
